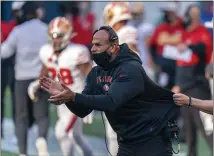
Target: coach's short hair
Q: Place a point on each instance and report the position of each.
(112, 34)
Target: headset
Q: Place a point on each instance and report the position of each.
(105, 134)
(112, 34)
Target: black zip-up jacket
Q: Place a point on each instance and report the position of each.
(137, 109)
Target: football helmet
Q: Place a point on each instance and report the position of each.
(59, 32)
(115, 12)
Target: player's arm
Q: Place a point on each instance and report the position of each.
(85, 68)
(8, 47)
(203, 105)
(34, 86)
(84, 61)
(127, 85)
(131, 39)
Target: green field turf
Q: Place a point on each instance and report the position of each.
(5, 153)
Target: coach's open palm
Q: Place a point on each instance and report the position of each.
(59, 91)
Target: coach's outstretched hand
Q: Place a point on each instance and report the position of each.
(59, 91)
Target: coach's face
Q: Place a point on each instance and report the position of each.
(102, 49)
(101, 43)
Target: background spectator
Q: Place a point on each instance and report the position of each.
(25, 41)
(190, 75)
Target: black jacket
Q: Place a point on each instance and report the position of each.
(137, 109)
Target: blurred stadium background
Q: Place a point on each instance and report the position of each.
(95, 132)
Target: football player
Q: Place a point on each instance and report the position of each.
(117, 15)
(72, 62)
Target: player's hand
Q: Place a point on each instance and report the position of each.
(180, 99)
(32, 90)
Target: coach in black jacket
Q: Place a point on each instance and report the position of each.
(137, 109)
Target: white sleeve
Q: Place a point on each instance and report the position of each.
(43, 54)
(9, 46)
(128, 35)
(148, 30)
(83, 56)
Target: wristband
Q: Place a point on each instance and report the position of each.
(190, 100)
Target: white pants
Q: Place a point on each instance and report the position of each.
(111, 138)
(207, 119)
(69, 141)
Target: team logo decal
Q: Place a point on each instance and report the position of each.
(106, 87)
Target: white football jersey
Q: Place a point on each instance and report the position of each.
(66, 64)
(128, 34)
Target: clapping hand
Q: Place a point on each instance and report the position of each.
(59, 91)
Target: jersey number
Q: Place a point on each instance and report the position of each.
(65, 74)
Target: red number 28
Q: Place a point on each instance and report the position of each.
(65, 74)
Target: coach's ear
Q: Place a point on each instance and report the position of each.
(115, 47)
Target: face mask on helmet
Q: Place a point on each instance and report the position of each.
(59, 40)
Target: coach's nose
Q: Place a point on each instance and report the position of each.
(93, 49)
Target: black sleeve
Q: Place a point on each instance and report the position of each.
(127, 84)
(199, 49)
(81, 110)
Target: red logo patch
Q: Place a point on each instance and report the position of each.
(121, 75)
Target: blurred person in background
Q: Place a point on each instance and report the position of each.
(73, 62)
(7, 74)
(17, 12)
(168, 33)
(209, 67)
(40, 11)
(145, 31)
(69, 8)
(83, 24)
(7, 65)
(190, 77)
(117, 15)
(24, 41)
(83, 21)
